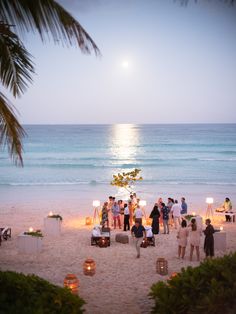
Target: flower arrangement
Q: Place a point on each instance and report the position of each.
(55, 216)
(37, 233)
(189, 217)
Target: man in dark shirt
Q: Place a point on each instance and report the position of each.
(138, 232)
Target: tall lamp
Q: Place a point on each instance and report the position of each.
(209, 210)
(96, 205)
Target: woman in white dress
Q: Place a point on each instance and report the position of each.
(194, 238)
(182, 236)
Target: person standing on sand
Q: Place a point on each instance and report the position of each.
(109, 207)
(165, 216)
(105, 215)
(182, 236)
(138, 232)
(184, 206)
(194, 238)
(155, 215)
(116, 214)
(138, 213)
(209, 239)
(176, 211)
(126, 217)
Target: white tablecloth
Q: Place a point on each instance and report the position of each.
(29, 244)
(52, 226)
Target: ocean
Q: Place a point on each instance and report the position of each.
(76, 162)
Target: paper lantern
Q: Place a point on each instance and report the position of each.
(72, 282)
(103, 242)
(89, 267)
(31, 229)
(96, 203)
(209, 200)
(88, 221)
(162, 266)
(221, 228)
(50, 213)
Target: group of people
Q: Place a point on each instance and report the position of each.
(123, 214)
(193, 232)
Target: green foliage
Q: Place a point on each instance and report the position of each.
(36, 233)
(189, 217)
(21, 294)
(55, 216)
(208, 288)
(126, 179)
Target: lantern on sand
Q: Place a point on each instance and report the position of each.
(72, 282)
(88, 221)
(89, 267)
(162, 266)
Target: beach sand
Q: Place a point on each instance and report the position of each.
(121, 283)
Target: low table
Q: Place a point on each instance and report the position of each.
(223, 214)
(29, 244)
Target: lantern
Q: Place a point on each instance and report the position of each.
(193, 213)
(162, 266)
(72, 282)
(221, 228)
(96, 203)
(209, 200)
(103, 242)
(88, 221)
(31, 229)
(50, 214)
(89, 267)
(142, 203)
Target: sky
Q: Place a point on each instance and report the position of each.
(161, 63)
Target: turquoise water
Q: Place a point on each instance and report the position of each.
(173, 158)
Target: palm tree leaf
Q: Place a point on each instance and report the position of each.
(11, 131)
(15, 64)
(47, 17)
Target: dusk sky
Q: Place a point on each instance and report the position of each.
(161, 63)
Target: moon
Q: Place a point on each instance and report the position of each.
(125, 64)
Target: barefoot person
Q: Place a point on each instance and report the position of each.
(182, 236)
(209, 239)
(138, 233)
(194, 238)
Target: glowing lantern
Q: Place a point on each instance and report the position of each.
(221, 228)
(193, 213)
(142, 203)
(209, 200)
(31, 229)
(50, 213)
(96, 203)
(162, 266)
(72, 282)
(88, 221)
(148, 221)
(89, 267)
(103, 242)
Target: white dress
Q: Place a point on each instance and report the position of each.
(182, 236)
(195, 236)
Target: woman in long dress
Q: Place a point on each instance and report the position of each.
(155, 215)
(182, 237)
(194, 238)
(209, 239)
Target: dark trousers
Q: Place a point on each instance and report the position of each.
(126, 222)
(227, 217)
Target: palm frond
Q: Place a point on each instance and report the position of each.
(47, 17)
(15, 63)
(11, 132)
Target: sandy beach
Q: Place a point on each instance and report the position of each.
(121, 283)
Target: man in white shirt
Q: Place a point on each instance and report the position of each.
(176, 212)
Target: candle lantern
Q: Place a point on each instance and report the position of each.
(88, 221)
(50, 214)
(221, 228)
(103, 242)
(209, 211)
(162, 266)
(31, 229)
(89, 267)
(72, 282)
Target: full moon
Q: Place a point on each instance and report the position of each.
(125, 64)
